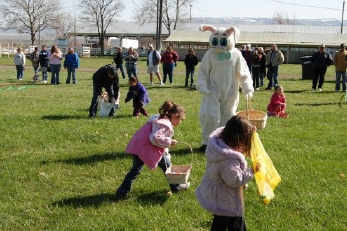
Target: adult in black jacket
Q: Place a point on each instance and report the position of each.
(320, 60)
(106, 77)
(119, 61)
(44, 62)
(190, 61)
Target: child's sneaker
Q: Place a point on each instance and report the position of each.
(283, 115)
(270, 113)
(245, 186)
(167, 156)
(183, 186)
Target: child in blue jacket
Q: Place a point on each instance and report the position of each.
(138, 93)
(71, 63)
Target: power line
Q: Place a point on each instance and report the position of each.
(210, 12)
(304, 5)
(277, 1)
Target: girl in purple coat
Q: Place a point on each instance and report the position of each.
(138, 93)
(221, 189)
(150, 145)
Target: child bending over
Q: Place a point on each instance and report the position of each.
(138, 93)
(277, 105)
(150, 143)
(221, 189)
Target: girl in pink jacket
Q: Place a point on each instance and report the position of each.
(150, 145)
(277, 105)
(221, 189)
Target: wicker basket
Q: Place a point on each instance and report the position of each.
(257, 118)
(178, 174)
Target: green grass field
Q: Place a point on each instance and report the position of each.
(59, 169)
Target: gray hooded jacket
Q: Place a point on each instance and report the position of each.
(221, 189)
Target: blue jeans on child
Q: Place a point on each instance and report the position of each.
(71, 70)
(36, 70)
(135, 171)
(20, 72)
(189, 72)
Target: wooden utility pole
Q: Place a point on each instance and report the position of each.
(343, 11)
(159, 24)
(190, 13)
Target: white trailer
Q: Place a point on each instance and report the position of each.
(123, 42)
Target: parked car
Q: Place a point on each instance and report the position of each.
(143, 53)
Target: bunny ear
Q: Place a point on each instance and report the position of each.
(204, 27)
(235, 31)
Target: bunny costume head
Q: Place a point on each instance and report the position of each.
(222, 40)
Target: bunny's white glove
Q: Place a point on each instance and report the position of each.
(249, 95)
(203, 89)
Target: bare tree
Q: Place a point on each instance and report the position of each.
(100, 13)
(283, 19)
(174, 12)
(30, 16)
(64, 26)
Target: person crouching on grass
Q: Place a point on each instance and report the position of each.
(106, 77)
(277, 105)
(150, 144)
(226, 176)
(138, 93)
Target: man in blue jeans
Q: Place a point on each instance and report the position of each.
(340, 67)
(274, 58)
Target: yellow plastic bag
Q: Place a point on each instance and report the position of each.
(267, 178)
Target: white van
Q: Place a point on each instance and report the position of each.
(31, 49)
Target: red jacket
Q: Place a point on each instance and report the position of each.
(275, 104)
(168, 58)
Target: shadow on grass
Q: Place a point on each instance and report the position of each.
(294, 92)
(67, 117)
(63, 117)
(156, 197)
(86, 201)
(89, 160)
(302, 91)
(184, 151)
(315, 104)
